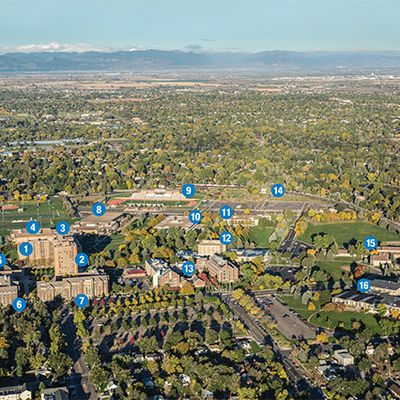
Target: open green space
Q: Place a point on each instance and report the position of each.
(260, 235)
(332, 319)
(116, 240)
(333, 268)
(296, 305)
(345, 232)
(48, 213)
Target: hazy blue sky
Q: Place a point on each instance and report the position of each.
(212, 24)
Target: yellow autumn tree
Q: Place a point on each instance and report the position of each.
(311, 306)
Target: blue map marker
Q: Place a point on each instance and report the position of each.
(33, 227)
(195, 216)
(189, 190)
(25, 249)
(188, 268)
(99, 209)
(19, 304)
(363, 285)
(81, 301)
(226, 237)
(278, 190)
(63, 228)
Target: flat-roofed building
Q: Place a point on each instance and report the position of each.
(8, 290)
(174, 221)
(49, 249)
(390, 248)
(355, 300)
(223, 270)
(158, 194)
(42, 243)
(244, 219)
(377, 260)
(106, 224)
(210, 247)
(250, 254)
(15, 393)
(388, 287)
(65, 252)
(153, 265)
(343, 357)
(91, 284)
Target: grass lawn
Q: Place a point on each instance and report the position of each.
(346, 317)
(333, 267)
(48, 213)
(320, 318)
(344, 232)
(260, 235)
(255, 348)
(116, 240)
(296, 305)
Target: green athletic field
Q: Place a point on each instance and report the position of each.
(344, 232)
(48, 213)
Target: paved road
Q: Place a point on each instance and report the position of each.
(253, 324)
(297, 378)
(74, 349)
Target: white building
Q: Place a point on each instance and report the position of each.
(343, 357)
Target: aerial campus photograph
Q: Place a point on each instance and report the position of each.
(199, 199)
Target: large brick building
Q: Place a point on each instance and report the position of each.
(223, 270)
(49, 249)
(65, 252)
(8, 290)
(162, 273)
(91, 284)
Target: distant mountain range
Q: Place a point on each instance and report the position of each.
(270, 62)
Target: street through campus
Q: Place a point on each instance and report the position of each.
(262, 337)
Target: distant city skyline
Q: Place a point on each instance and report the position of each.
(231, 25)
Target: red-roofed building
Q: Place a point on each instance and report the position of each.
(204, 277)
(133, 273)
(198, 283)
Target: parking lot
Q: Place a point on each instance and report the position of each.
(288, 323)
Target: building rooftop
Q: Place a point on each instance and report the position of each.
(157, 263)
(174, 221)
(358, 297)
(5, 280)
(12, 390)
(22, 233)
(382, 284)
(380, 257)
(212, 242)
(60, 393)
(108, 217)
